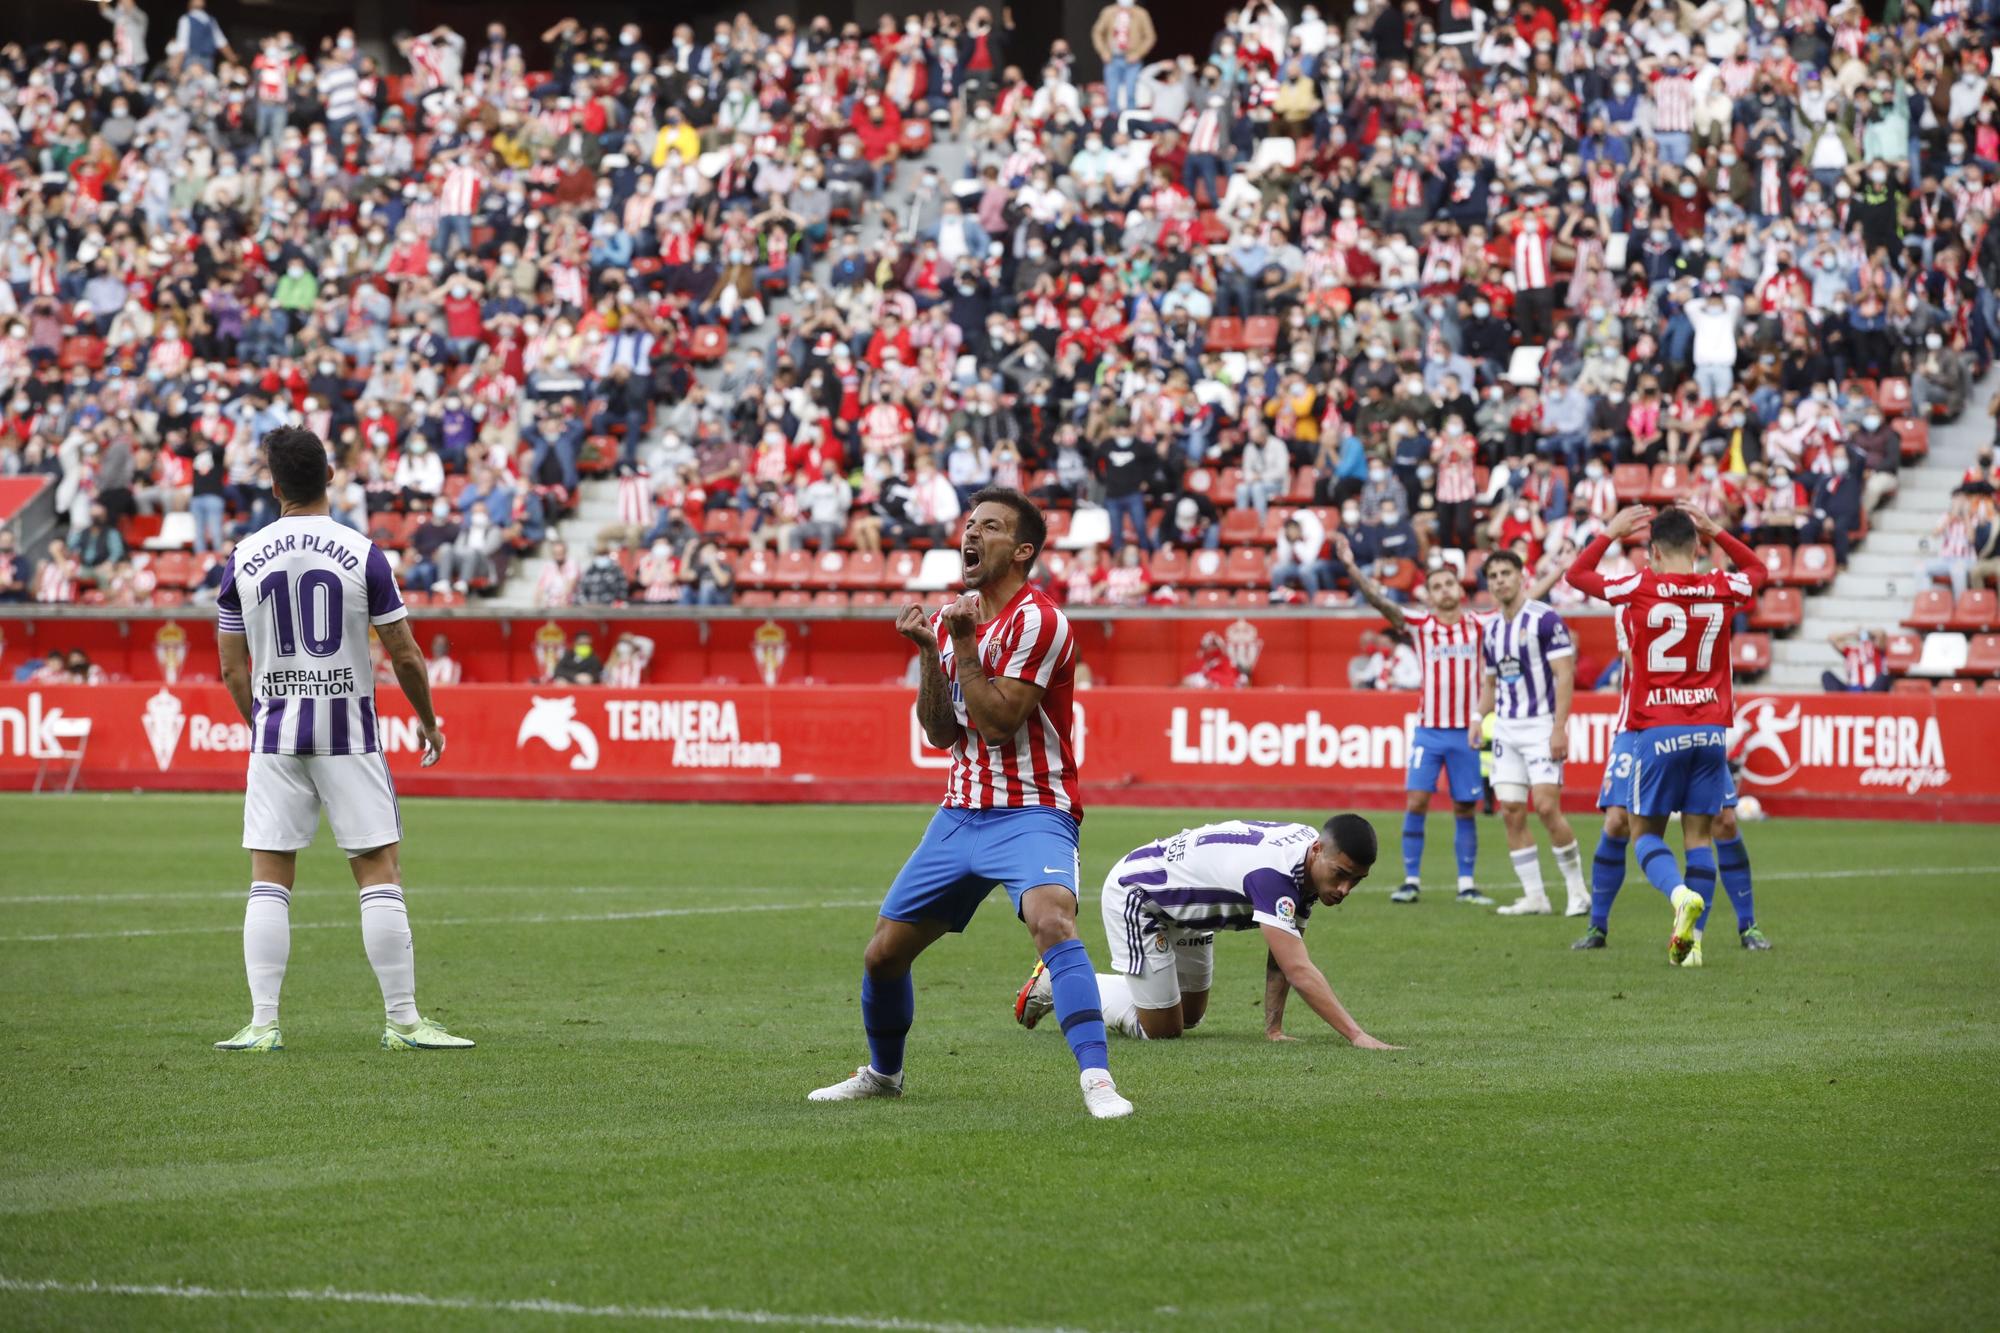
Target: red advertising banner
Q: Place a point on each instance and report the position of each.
(1880, 756)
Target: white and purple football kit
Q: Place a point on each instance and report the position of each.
(304, 591)
(1520, 652)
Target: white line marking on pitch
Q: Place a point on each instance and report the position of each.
(568, 1309)
(213, 895)
(541, 919)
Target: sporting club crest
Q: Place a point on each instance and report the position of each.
(170, 650)
(164, 721)
(550, 645)
(769, 644)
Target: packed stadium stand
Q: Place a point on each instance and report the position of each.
(651, 317)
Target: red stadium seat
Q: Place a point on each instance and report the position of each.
(1752, 654)
(756, 598)
(1058, 521)
(598, 457)
(795, 597)
(1225, 335)
(1915, 433)
(829, 570)
(454, 486)
(1667, 484)
(1260, 333)
(1206, 567)
(1910, 685)
(82, 349)
(795, 569)
(725, 525)
(1904, 650)
(1958, 687)
(1398, 575)
(169, 597)
(1200, 480)
(1274, 525)
(1252, 597)
(1777, 559)
(899, 568)
(1168, 565)
(1779, 609)
(1894, 396)
(1226, 483)
(707, 344)
(1211, 597)
(1631, 481)
(176, 570)
(1982, 656)
(868, 597)
(1975, 610)
(827, 597)
(1862, 387)
(757, 569)
(863, 573)
(1242, 527)
(1301, 490)
(1932, 610)
(1989, 689)
(916, 137)
(1813, 566)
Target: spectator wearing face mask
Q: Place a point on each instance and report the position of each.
(419, 473)
(1837, 500)
(1879, 451)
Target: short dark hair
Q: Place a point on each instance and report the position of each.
(1353, 835)
(1506, 557)
(1673, 530)
(297, 461)
(1029, 525)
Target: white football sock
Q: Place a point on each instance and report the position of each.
(1114, 999)
(1569, 860)
(385, 933)
(1528, 869)
(267, 947)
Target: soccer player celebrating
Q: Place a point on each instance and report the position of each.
(1530, 673)
(296, 665)
(1679, 701)
(1164, 902)
(1607, 867)
(997, 670)
(1447, 641)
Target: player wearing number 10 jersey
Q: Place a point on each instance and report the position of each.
(1678, 703)
(292, 621)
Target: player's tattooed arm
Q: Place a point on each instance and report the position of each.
(415, 678)
(1371, 591)
(934, 711)
(235, 650)
(1275, 990)
(997, 706)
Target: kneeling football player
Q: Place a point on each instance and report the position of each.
(1164, 902)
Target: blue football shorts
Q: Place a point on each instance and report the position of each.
(964, 853)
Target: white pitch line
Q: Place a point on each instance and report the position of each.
(540, 919)
(567, 1309)
(236, 895)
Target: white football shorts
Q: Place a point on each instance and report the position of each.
(1521, 753)
(1168, 959)
(283, 795)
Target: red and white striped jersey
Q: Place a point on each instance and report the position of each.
(1673, 104)
(459, 195)
(1864, 661)
(1029, 640)
(444, 670)
(1450, 655)
(1533, 242)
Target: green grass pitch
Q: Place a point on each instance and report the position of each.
(1802, 1138)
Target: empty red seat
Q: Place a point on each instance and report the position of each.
(1260, 333)
(829, 597)
(176, 570)
(725, 525)
(863, 572)
(1206, 567)
(1915, 433)
(868, 597)
(1225, 335)
(1058, 521)
(900, 567)
(794, 570)
(1910, 685)
(1932, 610)
(1982, 656)
(1752, 654)
(1904, 650)
(708, 343)
(1301, 490)
(1242, 527)
(1989, 689)
(1212, 597)
(916, 136)
(1168, 565)
(829, 570)
(1398, 574)
(1226, 482)
(1252, 597)
(169, 596)
(757, 569)
(1975, 609)
(1894, 396)
(795, 597)
(1777, 559)
(1669, 481)
(1779, 609)
(1631, 482)
(1956, 686)
(756, 597)
(1813, 566)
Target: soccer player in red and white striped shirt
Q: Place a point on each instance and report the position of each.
(1447, 640)
(997, 672)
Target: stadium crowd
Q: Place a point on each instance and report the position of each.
(1451, 278)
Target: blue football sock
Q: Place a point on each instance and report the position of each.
(1073, 987)
(1607, 876)
(1413, 845)
(1465, 841)
(1701, 878)
(1735, 864)
(886, 1011)
(1663, 872)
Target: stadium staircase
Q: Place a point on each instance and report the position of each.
(597, 497)
(1881, 582)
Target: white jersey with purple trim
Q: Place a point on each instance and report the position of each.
(305, 590)
(1227, 876)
